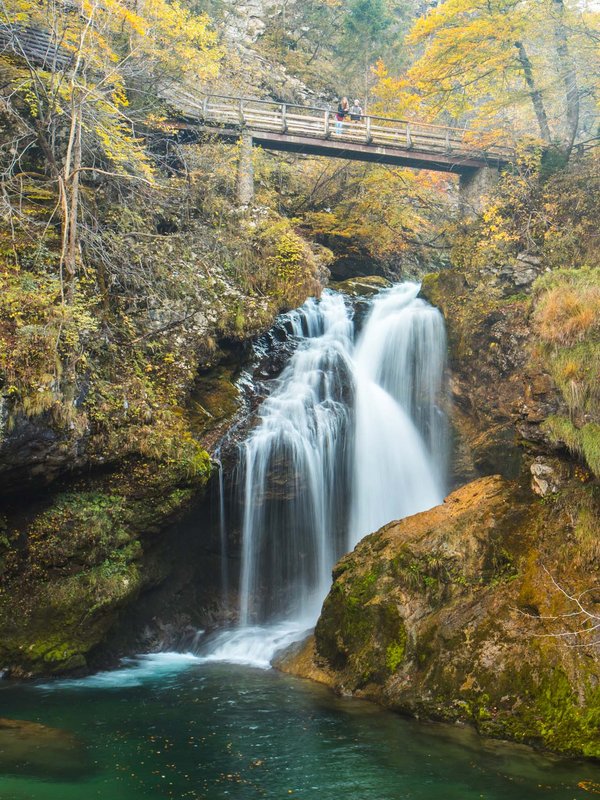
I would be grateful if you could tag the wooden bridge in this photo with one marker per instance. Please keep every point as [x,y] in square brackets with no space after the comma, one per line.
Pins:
[473,155]
[315,131]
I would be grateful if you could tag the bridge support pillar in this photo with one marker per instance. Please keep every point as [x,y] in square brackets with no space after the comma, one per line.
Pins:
[246,171]
[475,188]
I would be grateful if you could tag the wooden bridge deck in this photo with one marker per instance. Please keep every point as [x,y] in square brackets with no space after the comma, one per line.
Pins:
[315,131]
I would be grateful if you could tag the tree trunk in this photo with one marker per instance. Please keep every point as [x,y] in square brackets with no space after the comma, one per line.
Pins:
[568,73]
[534,92]
[72,238]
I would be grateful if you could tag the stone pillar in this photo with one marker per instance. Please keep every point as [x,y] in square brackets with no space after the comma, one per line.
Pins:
[475,188]
[246,171]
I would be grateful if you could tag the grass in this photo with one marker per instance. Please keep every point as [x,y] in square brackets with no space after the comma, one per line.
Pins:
[566,321]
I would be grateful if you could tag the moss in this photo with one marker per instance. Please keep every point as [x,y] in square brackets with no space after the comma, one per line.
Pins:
[561,430]
[587,533]
[79,561]
[575,371]
[452,615]
[583,442]
[358,628]
[361,287]
[590,445]
[430,288]
[394,655]
[431,573]
[214,401]
[567,326]
[555,713]
[557,278]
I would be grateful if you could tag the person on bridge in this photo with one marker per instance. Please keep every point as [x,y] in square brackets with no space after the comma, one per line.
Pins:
[356,112]
[342,112]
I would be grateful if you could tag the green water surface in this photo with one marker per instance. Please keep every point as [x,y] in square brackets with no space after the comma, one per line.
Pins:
[178,728]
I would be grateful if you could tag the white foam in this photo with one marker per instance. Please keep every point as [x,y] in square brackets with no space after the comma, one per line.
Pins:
[254,645]
[134,672]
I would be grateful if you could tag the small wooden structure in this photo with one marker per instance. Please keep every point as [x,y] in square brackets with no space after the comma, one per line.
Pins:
[34,46]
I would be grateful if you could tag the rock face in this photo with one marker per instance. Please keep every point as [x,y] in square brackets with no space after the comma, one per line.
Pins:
[242,25]
[500,397]
[462,613]
[70,565]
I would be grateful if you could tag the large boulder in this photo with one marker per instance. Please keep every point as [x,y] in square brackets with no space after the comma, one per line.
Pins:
[468,612]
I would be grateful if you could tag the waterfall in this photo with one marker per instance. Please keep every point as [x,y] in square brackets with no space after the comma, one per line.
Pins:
[222,533]
[351,437]
[400,432]
[294,469]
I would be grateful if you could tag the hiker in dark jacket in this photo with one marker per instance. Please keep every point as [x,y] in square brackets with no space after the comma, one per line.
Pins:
[342,112]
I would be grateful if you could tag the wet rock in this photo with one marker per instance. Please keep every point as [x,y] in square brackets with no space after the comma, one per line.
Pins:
[75,562]
[365,286]
[501,398]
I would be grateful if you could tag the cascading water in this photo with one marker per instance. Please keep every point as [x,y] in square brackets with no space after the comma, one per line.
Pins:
[400,431]
[222,534]
[294,465]
[351,437]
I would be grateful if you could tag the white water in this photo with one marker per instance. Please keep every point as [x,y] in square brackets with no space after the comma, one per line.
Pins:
[292,470]
[351,438]
[222,535]
[399,438]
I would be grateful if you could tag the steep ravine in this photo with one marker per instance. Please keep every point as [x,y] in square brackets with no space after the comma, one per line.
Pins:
[103,556]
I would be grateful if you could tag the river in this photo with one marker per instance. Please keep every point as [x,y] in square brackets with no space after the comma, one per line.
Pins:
[173,726]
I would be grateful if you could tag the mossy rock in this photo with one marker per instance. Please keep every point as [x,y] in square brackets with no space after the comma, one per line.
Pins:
[366,286]
[214,402]
[462,613]
[74,566]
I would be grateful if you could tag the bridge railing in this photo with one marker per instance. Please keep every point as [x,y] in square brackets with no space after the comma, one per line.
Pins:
[292,119]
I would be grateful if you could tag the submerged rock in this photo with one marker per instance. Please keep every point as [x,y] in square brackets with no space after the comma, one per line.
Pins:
[464,613]
[29,748]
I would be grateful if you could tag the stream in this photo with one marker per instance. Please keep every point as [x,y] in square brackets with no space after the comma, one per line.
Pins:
[175,726]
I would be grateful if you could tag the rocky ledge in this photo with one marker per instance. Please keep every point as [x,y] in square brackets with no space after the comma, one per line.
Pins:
[480,610]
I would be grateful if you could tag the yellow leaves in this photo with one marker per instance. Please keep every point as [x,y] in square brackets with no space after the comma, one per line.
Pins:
[119,97]
[125,151]
[468,60]
[183,42]
[388,211]
[165,39]
[395,97]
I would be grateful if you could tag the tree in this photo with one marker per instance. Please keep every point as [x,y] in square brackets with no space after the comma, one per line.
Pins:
[80,118]
[369,27]
[493,61]
[79,115]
